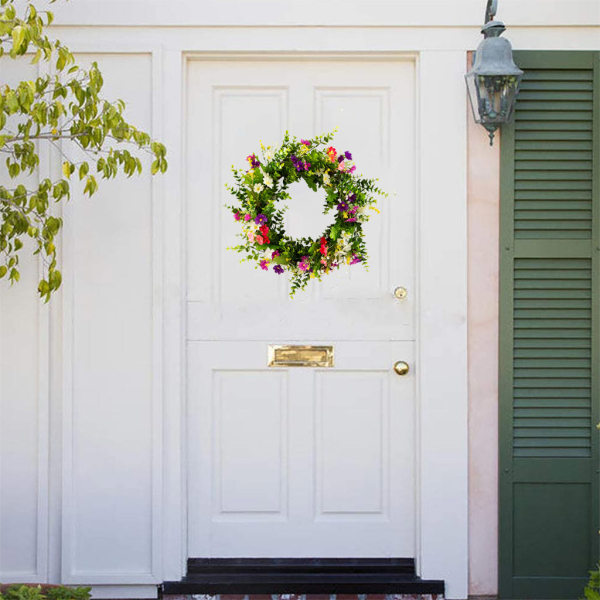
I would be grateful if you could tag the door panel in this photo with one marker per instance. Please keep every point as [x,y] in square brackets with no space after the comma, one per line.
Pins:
[231,106]
[300,462]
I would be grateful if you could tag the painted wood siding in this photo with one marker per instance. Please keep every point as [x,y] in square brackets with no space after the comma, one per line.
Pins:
[548,329]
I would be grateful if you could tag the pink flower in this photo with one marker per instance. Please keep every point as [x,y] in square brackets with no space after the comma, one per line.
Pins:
[264,265]
[352,169]
[341,166]
[247,217]
[250,236]
[237,216]
[305,142]
[324,261]
[259,239]
[275,253]
[355,259]
[303,265]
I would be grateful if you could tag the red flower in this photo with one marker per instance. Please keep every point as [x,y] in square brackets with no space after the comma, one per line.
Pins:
[323,246]
[264,229]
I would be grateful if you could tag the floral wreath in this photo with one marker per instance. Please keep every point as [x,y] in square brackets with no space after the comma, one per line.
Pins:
[260,188]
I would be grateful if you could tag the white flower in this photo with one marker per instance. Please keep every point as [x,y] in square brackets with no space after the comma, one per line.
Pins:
[267,179]
[362,213]
[326,179]
[258,187]
[268,155]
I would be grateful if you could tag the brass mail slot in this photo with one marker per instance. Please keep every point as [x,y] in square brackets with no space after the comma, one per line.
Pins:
[300,356]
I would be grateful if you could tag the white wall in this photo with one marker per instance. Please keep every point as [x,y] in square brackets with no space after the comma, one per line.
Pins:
[92,436]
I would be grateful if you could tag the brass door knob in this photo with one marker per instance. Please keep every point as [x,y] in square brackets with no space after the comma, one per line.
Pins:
[400,293]
[401,367]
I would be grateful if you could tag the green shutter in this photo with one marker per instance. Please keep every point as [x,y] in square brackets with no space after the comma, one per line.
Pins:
[549,324]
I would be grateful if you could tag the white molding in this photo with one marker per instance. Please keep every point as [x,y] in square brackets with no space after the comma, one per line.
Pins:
[297,39]
[69,575]
[43,359]
[442,341]
[42,376]
[158,200]
[442,550]
[409,13]
[174,338]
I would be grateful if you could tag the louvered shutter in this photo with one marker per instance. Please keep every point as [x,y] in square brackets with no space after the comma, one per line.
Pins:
[549,299]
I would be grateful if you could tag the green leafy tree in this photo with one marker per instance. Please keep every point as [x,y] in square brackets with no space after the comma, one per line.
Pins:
[63,105]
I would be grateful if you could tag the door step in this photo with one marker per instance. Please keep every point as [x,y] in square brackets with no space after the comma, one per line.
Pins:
[290,578]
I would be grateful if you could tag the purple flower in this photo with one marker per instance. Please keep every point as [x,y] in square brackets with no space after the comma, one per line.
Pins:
[341,158]
[348,155]
[254,162]
[275,253]
[260,219]
[352,220]
[355,259]
[342,206]
[352,197]
[306,166]
[278,269]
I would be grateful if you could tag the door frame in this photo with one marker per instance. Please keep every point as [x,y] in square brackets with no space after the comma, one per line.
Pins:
[441,289]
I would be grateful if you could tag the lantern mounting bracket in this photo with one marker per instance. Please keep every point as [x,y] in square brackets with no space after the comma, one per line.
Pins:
[490,10]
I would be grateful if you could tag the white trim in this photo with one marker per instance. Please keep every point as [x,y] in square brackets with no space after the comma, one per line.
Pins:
[222,40]
[158,198]
[42,375]
[69,575]
[442,551]
[442,342]
[174,421]
[43,361]
[409,13]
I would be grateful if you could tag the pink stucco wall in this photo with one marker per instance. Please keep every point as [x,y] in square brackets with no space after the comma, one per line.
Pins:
[483,199]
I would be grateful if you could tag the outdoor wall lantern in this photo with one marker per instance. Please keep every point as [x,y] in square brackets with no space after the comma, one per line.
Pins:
[493,81]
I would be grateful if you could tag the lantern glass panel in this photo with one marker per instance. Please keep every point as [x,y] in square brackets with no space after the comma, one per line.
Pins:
[492,97]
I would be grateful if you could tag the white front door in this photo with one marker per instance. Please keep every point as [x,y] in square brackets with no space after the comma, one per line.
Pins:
[293,462]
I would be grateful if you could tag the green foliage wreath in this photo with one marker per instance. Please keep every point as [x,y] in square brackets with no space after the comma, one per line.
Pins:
[262,187]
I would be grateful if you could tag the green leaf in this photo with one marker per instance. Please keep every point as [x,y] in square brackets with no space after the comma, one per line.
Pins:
[67,169]
[18,37]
